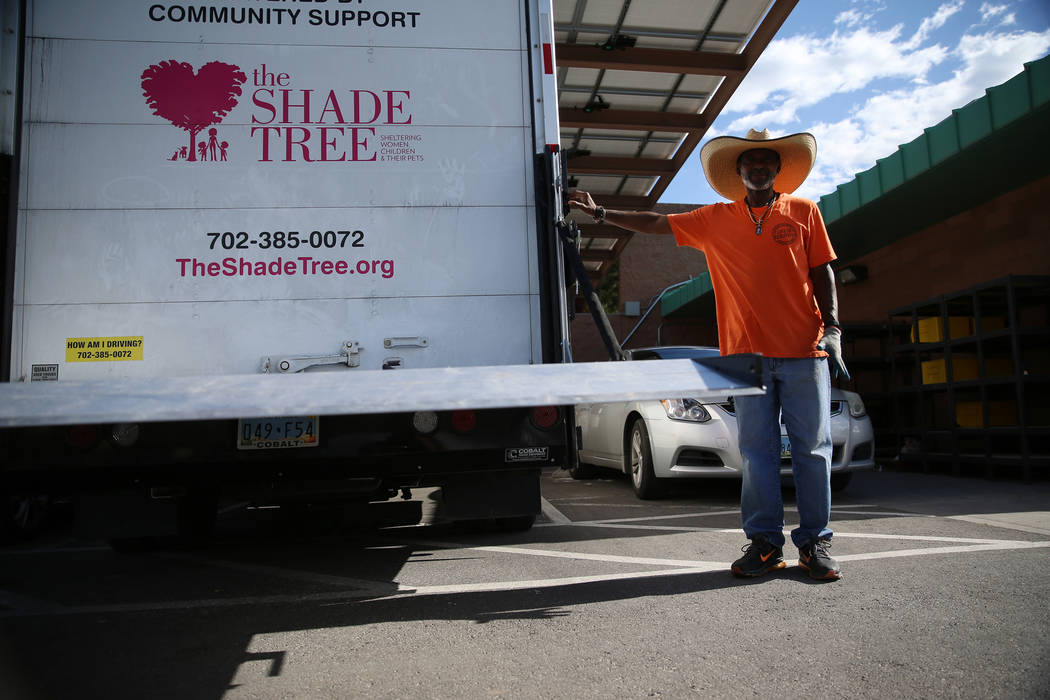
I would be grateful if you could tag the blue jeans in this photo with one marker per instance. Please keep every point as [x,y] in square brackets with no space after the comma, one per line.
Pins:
[801,387]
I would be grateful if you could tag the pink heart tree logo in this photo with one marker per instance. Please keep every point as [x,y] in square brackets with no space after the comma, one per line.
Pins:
[193,101]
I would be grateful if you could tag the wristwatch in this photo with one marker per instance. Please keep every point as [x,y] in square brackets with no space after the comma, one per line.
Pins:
[599,215]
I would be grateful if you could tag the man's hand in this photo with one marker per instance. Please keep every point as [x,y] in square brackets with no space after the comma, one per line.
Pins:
[831,343]
[583,201]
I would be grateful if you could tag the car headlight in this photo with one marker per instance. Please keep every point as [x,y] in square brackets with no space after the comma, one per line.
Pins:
[686,409]
[856,404]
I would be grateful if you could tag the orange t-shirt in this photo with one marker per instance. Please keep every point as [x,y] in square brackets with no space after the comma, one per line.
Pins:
[763,294]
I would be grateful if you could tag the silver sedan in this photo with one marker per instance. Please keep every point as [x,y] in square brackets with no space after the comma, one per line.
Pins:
[676,438]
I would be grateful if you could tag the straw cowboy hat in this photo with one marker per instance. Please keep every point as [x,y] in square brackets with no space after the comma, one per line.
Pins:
[719,155]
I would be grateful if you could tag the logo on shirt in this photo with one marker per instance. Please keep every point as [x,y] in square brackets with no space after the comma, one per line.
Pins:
[785,234]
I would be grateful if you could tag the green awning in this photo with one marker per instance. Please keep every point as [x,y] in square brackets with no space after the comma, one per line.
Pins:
[991,146]
[694,298]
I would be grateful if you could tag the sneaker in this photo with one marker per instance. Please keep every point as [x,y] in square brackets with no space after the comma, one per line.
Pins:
[814,558]
[760,557]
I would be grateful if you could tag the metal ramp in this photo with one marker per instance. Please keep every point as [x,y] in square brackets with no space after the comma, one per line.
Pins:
[372,391]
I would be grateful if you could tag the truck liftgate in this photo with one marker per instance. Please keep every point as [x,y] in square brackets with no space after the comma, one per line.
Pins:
[154,456]
[371,391]
[191,196]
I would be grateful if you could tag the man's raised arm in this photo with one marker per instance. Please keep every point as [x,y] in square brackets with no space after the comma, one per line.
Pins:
[640,221]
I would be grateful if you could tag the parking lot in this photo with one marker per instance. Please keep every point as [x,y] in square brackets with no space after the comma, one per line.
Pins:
[943,596]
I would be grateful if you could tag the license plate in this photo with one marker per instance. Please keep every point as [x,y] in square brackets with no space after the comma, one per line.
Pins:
[277,433]
[785,447]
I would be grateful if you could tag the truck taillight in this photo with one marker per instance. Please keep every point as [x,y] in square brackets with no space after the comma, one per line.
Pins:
[544,416]
[464,421]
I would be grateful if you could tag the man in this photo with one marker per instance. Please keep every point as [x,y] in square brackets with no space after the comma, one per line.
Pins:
[770,262]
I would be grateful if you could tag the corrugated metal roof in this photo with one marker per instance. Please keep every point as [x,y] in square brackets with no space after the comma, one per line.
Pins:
[639,83]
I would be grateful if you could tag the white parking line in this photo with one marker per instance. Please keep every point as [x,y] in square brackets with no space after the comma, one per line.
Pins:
[560,554]
[280,572]
[497,586]
[924,538]
[553,514]
[928,551]
[674,516]
[53,610]
[735,511]
[394,589]
[1009,521]
[358,591]
[698,567]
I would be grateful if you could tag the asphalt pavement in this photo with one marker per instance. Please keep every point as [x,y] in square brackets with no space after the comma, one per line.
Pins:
[943,595]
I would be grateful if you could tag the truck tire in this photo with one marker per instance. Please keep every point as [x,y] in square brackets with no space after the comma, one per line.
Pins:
[583,471]
[21,517]
[514,523]
[195,517]
[491,502]
[639,463]
[518,523]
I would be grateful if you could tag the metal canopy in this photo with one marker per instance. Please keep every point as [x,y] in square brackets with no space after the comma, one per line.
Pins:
[639,84]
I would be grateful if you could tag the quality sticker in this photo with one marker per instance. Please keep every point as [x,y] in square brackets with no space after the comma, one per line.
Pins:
[115,349]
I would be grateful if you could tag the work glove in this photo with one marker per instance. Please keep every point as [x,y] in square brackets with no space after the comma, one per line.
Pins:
[831,343]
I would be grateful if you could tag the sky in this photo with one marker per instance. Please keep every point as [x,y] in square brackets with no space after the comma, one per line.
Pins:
[865,76]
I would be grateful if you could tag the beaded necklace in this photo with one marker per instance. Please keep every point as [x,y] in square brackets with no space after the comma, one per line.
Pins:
[769,208]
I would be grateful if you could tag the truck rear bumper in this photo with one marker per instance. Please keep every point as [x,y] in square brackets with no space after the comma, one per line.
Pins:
[354,454]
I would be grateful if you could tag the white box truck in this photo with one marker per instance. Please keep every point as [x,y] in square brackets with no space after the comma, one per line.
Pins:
[302,250]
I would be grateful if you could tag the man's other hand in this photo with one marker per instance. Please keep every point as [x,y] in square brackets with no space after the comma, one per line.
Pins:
[831,343]
[583,201]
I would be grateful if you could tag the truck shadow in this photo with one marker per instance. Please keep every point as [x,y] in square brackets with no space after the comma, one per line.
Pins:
[197,652]
[168,623]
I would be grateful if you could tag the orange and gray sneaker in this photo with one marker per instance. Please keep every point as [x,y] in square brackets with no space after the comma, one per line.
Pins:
[760,557]
[814,558]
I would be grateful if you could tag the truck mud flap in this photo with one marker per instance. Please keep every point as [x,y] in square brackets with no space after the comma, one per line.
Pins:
[512,496]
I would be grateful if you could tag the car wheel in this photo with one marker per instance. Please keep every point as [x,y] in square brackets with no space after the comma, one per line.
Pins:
[640,463]
[840,481]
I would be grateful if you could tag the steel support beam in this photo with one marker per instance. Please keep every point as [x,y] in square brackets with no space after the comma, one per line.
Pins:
[632,120]
[651,60]
[601,165]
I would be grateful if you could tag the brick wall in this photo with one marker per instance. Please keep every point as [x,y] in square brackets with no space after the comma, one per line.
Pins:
[1008,235]
[648,265]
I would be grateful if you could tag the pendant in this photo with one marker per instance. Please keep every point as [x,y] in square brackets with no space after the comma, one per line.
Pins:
[758,229]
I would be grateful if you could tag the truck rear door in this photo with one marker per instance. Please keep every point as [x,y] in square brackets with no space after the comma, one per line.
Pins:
[206,186]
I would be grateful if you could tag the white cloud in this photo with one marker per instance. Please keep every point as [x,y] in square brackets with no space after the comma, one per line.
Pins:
[801,71]
[850,18]
[891,76]
[891,118]
[989,11]
[934,22]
